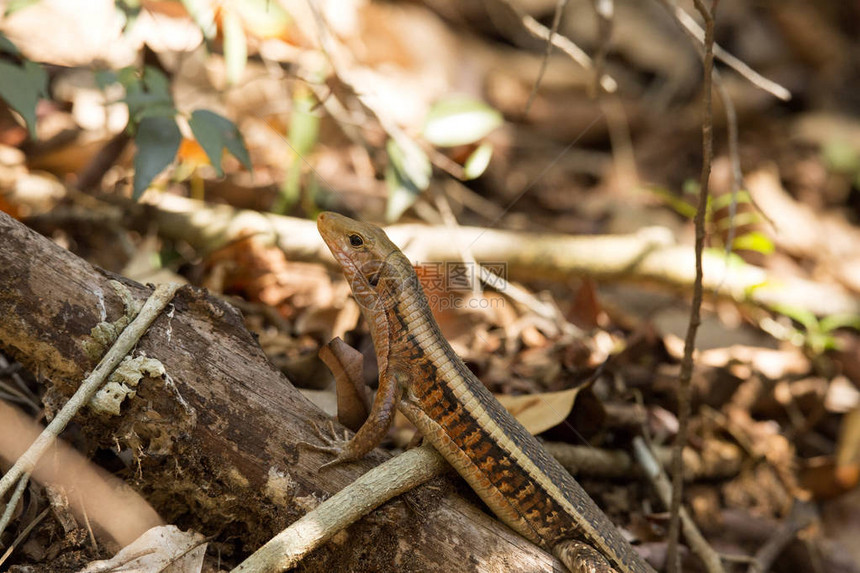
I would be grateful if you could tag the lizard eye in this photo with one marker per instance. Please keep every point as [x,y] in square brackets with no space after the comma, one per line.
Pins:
[356,240]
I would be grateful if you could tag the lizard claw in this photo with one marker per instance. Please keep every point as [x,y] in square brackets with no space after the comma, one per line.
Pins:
[332,444]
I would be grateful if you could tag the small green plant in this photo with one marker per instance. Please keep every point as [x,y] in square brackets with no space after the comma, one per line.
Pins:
[152,114]
[719,222]
[22,83]
[152,119]
[451,122]
[302,138]
[842,157]
[407,175]
[817,335]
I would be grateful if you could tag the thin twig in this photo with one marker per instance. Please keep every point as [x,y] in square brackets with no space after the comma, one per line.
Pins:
[13,501]
[623,156]
[666,493]
[501,284]
[397,475]
[443,162]
[737,179]
[674,563]
[451,222]
[472,200]
[86,516]
[561,42]
[802,514]
[737,182]
[731,127]
[23,391]
[736,64]
[24,534]
[91,384]
[605,11]
[556,21]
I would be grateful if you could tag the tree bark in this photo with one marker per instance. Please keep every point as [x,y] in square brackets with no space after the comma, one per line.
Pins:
[214,443]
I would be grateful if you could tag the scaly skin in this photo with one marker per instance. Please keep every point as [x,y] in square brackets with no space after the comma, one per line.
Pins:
[421,374]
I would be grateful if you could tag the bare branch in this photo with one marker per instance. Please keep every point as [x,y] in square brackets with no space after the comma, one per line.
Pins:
[736,64]
[673,560]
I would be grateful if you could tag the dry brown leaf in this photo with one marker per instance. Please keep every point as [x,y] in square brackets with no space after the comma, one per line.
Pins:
[586,309]
[347,366]
[165,549]
[259,271]
[540,412]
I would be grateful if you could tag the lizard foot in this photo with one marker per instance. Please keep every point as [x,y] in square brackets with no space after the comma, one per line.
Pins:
[333,443]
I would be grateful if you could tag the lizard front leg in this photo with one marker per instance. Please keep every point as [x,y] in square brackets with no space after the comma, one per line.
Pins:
[371,432]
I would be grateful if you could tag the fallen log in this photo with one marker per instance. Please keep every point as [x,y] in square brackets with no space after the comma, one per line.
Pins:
[212,445]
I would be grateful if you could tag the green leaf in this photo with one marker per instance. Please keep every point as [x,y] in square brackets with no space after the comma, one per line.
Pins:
[144,105]
[804,317]
[460,121]
[290,190]
[841,156]
[739,220]
[302,137]
[21,87]
[214,133]
[105,78]
[304,123]
[732,260]
[478,161]
[724,200]
[156,82]
[754,241]
[15,5]
[401,195]
[156,110]
[235,46]
[407,175]
[140,99]
[130,79]
[7,47]
[410,161]
[690,187]
[129,11]
[157,141]
[834,321]
[680,206]
[203,15]
[147,96]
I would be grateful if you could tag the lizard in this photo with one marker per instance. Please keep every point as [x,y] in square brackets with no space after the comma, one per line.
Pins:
[420,374]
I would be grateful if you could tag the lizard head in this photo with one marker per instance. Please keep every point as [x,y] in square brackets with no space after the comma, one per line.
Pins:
[375,268]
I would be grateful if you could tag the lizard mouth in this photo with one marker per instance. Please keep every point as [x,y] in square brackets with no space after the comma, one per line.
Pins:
[334,228]
[328,224]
